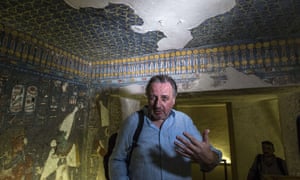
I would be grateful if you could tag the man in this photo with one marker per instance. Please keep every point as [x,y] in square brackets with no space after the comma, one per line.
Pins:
[168,143]
[267,163]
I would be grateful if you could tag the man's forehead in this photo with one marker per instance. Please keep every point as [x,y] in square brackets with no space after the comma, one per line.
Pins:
[267,146]
[163,88]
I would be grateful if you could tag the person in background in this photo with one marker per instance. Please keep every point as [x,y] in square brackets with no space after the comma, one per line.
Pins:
[267,164]
[169,141]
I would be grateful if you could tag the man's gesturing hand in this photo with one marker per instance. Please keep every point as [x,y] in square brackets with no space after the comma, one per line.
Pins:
[196,150]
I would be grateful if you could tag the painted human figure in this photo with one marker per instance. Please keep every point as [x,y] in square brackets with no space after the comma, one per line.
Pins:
[64,152]
[20,165]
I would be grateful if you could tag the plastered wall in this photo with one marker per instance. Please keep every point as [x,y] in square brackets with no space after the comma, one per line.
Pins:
[289,106]
[253,122]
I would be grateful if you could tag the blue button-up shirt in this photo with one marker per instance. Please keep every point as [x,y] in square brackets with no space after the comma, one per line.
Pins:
[155,156]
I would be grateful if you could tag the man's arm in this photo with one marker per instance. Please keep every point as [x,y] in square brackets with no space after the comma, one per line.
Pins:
[118,167]
[253,173]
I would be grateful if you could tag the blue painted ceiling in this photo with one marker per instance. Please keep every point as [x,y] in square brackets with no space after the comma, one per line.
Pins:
[105,34]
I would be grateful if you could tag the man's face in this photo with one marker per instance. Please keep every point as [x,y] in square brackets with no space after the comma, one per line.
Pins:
[267,149]
[160,100]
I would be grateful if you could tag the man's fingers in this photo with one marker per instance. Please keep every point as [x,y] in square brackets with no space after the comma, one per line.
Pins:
[187,143]
[205,135]
[181,139]
[190,138]
[183,150]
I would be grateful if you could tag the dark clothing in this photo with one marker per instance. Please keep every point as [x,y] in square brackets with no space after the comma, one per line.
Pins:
[267,166]
[111,145]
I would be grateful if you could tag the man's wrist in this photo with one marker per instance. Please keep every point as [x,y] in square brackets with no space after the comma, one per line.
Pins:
[206,167]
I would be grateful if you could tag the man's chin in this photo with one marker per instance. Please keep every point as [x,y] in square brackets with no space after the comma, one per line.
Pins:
[158,117]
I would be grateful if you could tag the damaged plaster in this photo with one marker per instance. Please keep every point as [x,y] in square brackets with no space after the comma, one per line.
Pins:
[174,18]
[233,79]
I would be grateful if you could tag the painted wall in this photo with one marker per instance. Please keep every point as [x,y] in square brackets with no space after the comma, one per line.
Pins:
[53,100]
[91,115]
[42,126]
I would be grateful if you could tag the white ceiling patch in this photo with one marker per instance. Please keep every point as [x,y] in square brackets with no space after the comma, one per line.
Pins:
[174,18]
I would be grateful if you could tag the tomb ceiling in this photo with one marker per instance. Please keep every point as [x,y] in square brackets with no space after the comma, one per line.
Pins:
[115,29]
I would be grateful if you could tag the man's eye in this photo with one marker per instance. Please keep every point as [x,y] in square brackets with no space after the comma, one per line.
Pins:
[152,98]
[165,98]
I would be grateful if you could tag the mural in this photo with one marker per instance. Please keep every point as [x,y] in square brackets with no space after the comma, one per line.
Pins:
[275,62]
[17,96]
[19,163]
[272,63]
[40,58]
[42,128]
[55,116]
[31,94]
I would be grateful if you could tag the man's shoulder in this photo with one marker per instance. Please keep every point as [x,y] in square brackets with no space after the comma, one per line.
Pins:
[279,159]
[175,112]
[258,157]
[181,116]
[132,119]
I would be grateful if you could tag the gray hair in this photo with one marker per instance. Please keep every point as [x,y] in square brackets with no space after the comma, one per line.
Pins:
[162,79]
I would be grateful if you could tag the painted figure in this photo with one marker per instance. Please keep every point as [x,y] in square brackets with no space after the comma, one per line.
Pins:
[63,153]
[19,167]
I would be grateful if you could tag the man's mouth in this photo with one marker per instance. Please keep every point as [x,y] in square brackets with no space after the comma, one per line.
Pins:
[158,112]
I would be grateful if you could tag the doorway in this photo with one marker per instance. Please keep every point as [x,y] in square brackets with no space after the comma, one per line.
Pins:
[214,117]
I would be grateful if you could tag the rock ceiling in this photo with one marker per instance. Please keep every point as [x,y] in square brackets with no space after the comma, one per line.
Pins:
[114,30]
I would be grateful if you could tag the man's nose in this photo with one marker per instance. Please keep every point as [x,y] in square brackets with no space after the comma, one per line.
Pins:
[158,102]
